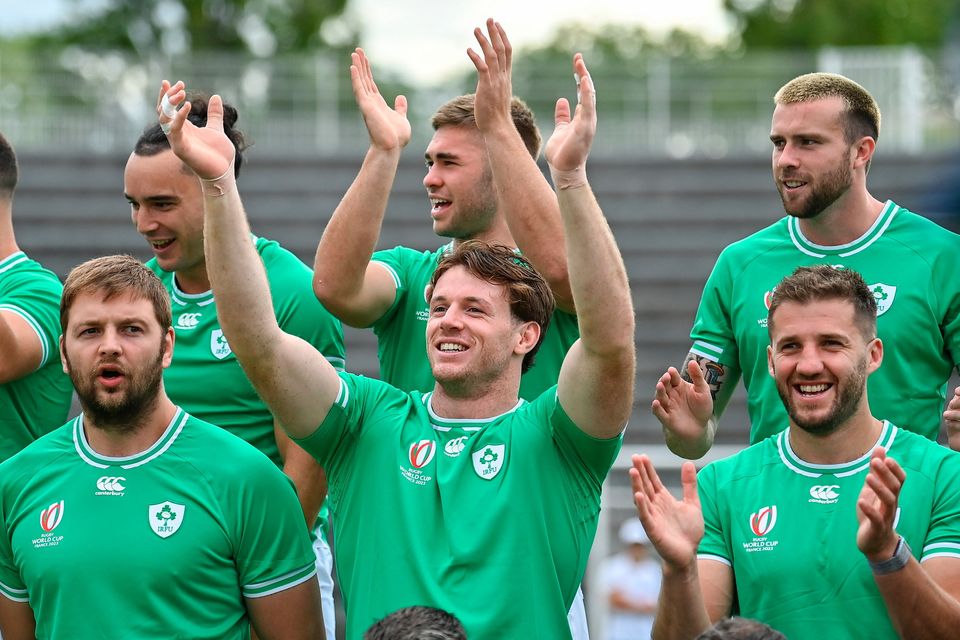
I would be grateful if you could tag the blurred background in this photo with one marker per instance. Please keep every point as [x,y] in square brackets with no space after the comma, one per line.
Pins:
[680,164]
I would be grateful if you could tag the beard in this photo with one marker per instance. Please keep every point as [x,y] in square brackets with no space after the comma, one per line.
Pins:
[824,193]
[120,411]
[849,394]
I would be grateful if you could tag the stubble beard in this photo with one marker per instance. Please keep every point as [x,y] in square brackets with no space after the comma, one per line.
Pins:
[120,412]
[845,405]
[832,187]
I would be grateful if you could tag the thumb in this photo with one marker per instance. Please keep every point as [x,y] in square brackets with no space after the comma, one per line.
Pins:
[697,377]
[561,114]
[215,113]
[400,105]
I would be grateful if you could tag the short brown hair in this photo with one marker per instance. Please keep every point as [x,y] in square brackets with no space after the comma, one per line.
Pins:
[9,170]
[529,295]
[862,114]
[825,282]
[116,276]
[459,112]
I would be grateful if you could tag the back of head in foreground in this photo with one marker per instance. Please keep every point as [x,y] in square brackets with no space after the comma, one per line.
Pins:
[417,623]
[736,628]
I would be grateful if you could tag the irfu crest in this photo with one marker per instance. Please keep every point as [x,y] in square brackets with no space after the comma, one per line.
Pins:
[165,518]
[218,345]
[488,460]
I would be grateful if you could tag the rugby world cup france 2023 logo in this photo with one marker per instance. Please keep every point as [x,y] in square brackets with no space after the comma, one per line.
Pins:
[762,523]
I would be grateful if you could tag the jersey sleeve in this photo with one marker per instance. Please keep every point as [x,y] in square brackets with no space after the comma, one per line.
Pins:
[297,309]
[943,535]
[394,261]
[11,584]
[712,332]
[714,545]
[594,455]
[272,540]
[334,440]
[35,297]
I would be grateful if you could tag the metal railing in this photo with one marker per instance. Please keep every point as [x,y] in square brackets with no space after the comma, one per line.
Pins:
[99,102]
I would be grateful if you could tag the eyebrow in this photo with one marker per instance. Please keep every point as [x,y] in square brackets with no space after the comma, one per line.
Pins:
[157,198]
[442,155]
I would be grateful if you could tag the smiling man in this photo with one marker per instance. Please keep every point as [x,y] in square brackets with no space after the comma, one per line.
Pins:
[136,519]
[166,206]
[465,498]
[824,134]
[843,526]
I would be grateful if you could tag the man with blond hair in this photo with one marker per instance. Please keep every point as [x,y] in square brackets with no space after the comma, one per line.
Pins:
[824,134]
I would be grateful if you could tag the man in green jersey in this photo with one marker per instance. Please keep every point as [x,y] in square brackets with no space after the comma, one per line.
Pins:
[205,378]
[135,519]
[843,526]
[824,134]
[483,184]
[34,392]
[465,498]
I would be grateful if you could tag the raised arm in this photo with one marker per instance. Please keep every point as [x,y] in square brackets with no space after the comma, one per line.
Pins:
[293,378]
[345,281]
[525,198]
[20,348]
[596,379]
[922,600]
[693,593]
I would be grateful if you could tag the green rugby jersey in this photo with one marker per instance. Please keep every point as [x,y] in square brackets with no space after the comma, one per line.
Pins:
[162,544]
[909,262]
[402,330]
[490,519]
[205,377]
[789,530]
[38,402]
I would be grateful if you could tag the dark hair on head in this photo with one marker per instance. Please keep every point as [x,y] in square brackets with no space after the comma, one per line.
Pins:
[9,169]
[529,295]
[417,623]
[459,112]
[740,629]
[115,276]
[153,140]
[825,282]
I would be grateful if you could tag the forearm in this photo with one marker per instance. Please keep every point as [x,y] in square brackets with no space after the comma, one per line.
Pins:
[530,208]
[351,235]
[236,272]
[681,613]
[918,607]
[598,277]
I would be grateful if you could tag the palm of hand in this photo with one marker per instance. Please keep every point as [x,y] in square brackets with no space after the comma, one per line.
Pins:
[676,528]
[206,150]
[569,145]
[387,127]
